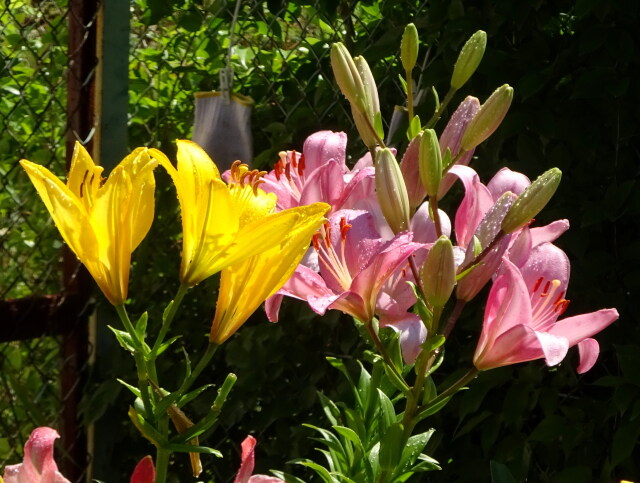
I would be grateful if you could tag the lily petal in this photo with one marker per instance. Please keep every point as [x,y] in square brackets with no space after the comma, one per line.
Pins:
[589,350]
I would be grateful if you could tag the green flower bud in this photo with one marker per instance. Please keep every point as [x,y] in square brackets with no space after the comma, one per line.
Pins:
[363,125]
[391,190]
[430,162]
[438,273]
[532,200]
[469,59]
[347,75]
[488,118]
[409,47]
[371,101]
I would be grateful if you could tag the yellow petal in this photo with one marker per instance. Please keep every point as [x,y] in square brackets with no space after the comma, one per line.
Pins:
[245,285]
[251,205]
[84,176]
[112,223]
[38,174]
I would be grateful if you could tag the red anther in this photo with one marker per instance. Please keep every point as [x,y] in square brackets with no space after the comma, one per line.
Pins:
[561,306]
[316,242]
[287,171]
[344,228]
[559,297]
[327,233]
[545,291]
[530,222]
[537,285]
[278,169]
[301,165]
[294,162]
[404,272]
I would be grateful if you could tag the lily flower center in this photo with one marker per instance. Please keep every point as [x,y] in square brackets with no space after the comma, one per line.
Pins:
[289,170]
[547,302]
[334,260]
[242,176]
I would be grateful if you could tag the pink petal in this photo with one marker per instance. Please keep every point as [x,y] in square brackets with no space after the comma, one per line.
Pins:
[247,461]
[507,180]
[476,202]
[508,306]
[554,348]
[548,262]
[581,327]
[423,227]
[412,333]
[38,465]
[307,285]
[589,351]
[518,344]
[411,174]
[324,184]
[144,471]
[548,233]
[451,138]
[360,188]
[272,307]
[322,146]
[364,162]
[264,479]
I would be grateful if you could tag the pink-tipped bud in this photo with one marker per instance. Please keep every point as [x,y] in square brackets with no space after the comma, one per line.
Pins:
[488,118]
[391,190]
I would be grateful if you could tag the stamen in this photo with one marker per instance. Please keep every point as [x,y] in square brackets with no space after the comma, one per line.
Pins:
[316,242]
[537,285]
[84,179]
[301,165]
[294,162]
[278,169]
[344,228]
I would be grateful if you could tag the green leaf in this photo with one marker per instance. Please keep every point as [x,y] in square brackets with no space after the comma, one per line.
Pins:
[133,389]
[192,448]
[403,84]
[432,343]
[436,99]
[141,325]
[412,449]
[391,447]
[124,339]
[500,473]
[330,409]
[286,477]
[320,470]
[387,414]
[414,127]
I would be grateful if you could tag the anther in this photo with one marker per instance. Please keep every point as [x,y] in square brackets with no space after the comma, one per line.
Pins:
[301,165]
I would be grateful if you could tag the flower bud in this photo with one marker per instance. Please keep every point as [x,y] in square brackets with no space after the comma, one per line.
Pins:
[371,101]
[532,200]
[364,128]
[346,74]
[430,162]
[438,273]
[488,118]
[391,190]
[409,47]
[469,59]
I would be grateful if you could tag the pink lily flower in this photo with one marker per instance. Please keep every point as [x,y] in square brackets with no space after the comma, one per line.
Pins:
[247,464]
[354,263]
[520,321]
[38,465]
[319,173]
[144,472]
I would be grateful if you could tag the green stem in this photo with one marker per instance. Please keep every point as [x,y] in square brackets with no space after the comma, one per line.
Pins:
[204,361]
[169,316]
[433,203]
[450,391]
[139,357]
[484,252]
[436,115]
[385,355]
[162,464]
[409,95]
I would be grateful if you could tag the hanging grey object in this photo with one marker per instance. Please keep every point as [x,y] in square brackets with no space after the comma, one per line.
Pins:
[222,126]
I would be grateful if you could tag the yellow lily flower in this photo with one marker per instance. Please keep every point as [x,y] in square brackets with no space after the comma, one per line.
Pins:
[245,285]
[222,224]
[102,222]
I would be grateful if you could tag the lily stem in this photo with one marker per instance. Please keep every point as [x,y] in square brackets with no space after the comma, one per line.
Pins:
[202,363]
[436,115]
[169,316]
[450,391]
[139,356]
[409,96]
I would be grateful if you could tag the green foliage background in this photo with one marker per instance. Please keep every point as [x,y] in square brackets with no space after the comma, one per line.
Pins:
[576,105]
